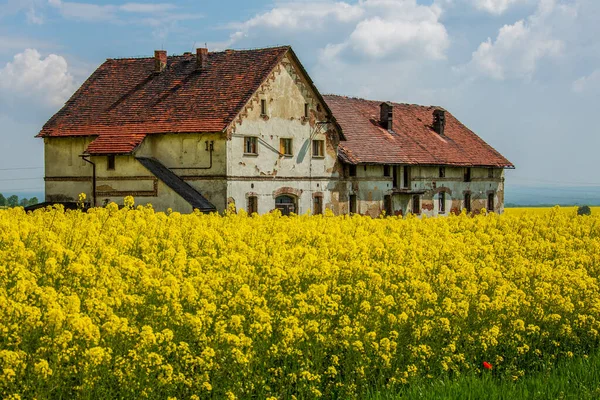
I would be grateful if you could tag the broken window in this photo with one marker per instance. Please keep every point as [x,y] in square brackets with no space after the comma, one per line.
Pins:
[285,204]
[387,204]
[351,170]
[252,205]
[416,204]
[468,202]
[395,177]
[110,163]
[467,174]
[406,177]
[386,170]
[490,205]
[306,110]
[490,173]
[442,172]
[317,205]
[318,148]
[251,145]
[353,204]
[285,147]
[263,107]
[442,200]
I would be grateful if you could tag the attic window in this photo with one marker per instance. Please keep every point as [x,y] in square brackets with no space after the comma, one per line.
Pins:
[306,110]
[491,173]
[263,107]
[442,172]
[351,170]
[386,170]
[467,174]
[110,163]
[439,121]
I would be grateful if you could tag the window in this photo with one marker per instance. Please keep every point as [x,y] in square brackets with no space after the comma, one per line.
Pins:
[468,202]
[491,173]
[387,204]
[490,205]
[467,174]
[263,107]
[252,205]
[285,147]
[351,170]
[318,148]
[442,205]
[386,170]
[416,204]
[395,177]
[442,172]
[317,205]
[285,204]
[306,110]
[110,163]
[406,177]
[352,204]
[251,145]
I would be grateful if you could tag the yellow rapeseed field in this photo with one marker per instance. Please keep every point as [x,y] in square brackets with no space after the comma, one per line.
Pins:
[132,303]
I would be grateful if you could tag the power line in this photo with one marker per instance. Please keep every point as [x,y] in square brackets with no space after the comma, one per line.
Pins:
[21,190]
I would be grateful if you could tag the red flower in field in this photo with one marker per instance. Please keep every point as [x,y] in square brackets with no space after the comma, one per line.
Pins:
[487,365]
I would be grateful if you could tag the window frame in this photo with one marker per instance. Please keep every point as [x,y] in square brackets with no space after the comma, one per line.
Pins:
[321,147]
[352,170]
[263,107]
[468,174]
[467,204]
[252,204]
[352,204]
[283,144]
[248,139]
[491,200]
[317,205]
[442,203]
[442,172]
[416,204]
[110,162]
[387,171]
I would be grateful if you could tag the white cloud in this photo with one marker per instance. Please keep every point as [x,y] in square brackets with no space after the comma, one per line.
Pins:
[376,29]
[587,83]
[496,6]
[518,48]
[45,81]
[33,17]
[302,16]
[94,12]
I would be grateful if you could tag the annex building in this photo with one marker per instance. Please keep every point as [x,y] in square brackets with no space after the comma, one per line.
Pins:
[201,131]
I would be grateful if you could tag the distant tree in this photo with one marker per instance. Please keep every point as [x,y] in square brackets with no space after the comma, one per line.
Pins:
[24,202]
[584,210]
[13,201]
[33,201]
[2,200]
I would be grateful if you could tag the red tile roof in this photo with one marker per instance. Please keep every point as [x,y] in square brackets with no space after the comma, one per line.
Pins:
[115,144]
[412,140]
[126,96]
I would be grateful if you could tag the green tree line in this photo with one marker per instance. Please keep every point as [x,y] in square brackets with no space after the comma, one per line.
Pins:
[14,201]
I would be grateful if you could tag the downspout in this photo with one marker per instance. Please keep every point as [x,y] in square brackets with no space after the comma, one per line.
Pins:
[83,157]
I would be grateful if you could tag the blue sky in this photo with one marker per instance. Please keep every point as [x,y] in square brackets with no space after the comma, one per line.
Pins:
[523,74]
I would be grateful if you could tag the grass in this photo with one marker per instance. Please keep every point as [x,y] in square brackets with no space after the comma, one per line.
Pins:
[578,378]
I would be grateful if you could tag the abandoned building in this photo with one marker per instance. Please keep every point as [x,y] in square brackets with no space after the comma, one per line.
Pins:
[202,131]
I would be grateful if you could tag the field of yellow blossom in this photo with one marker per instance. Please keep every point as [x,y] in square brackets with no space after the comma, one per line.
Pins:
[131,303]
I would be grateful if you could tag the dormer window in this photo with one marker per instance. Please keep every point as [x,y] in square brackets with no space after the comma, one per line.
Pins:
[439,121]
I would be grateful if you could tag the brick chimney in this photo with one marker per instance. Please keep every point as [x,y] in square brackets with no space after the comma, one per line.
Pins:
[201,58]
[439,121]
[160,60]
[387,115]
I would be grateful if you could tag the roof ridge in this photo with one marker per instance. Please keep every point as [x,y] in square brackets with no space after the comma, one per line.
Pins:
[187,54]
[381,101]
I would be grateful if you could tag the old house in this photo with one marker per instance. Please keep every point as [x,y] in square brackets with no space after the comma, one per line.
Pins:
[201,131]
[406,158]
